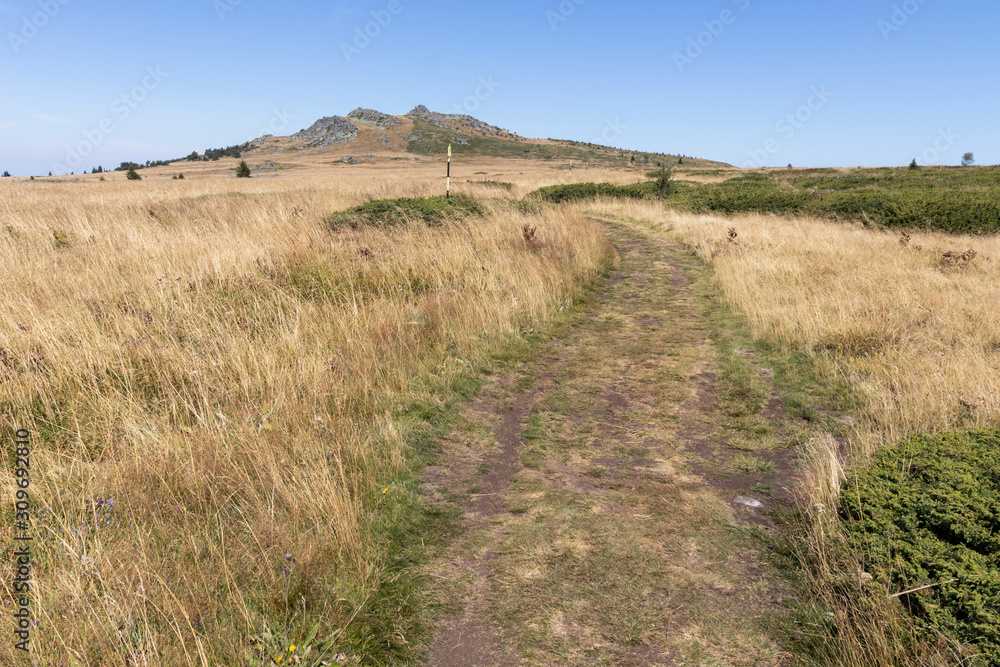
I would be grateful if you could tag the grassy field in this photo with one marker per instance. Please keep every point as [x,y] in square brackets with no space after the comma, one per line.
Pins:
[225,397]
[231,383]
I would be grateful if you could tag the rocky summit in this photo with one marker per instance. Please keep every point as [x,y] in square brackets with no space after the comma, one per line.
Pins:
[328,131]
[372,117]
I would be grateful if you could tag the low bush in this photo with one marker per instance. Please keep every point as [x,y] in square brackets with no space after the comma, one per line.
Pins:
[395,212]
[954,211]
[576,191]
[926,515]
[756,193]
[956,201]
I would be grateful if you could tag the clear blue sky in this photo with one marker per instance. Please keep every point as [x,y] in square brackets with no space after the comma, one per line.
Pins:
[197,74]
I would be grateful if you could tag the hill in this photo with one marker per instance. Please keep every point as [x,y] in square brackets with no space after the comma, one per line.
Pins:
[366,135]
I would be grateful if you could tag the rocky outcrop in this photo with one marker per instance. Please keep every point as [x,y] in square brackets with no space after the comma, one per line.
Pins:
[328,131]
[432,117]
[452,121]
[372,117]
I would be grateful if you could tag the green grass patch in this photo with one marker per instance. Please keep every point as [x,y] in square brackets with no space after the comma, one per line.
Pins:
[744,463]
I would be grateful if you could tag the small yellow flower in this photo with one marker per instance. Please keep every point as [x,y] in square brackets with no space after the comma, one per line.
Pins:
[385,490]
[291,648]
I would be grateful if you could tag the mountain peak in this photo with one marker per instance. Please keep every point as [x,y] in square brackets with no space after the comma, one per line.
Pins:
[373,117]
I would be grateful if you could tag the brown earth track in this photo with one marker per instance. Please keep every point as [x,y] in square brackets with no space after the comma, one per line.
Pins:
[605,468]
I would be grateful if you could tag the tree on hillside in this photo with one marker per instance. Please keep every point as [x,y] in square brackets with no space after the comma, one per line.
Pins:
[6,174]
[968,159]
[243,171]
[914,165]
[665,185]
[133,175]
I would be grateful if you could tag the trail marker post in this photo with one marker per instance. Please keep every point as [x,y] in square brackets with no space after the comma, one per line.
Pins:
[447,194]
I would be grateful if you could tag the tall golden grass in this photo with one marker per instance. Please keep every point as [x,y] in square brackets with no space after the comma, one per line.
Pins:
[214,384]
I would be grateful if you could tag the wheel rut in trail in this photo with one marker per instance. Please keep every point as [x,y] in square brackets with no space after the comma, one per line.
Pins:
[599,523]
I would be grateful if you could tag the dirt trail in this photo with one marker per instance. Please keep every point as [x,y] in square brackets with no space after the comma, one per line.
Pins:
[602,526]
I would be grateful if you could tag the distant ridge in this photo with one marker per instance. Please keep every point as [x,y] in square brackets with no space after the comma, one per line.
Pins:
[370,133]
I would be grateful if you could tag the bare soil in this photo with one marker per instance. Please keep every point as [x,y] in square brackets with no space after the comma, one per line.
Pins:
[601,522]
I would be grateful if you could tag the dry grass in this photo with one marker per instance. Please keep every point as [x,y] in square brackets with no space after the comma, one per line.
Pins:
[914,333]
[214,381]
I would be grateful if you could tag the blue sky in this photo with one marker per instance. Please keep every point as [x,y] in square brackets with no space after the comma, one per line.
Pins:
[744,81]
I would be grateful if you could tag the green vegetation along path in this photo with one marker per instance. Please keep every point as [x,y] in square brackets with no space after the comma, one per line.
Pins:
[602,525]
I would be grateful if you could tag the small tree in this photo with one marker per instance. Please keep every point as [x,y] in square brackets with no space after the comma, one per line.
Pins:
[6,174]
[968,159]
[914,165]
[133,175]
[243,170]
[665,185]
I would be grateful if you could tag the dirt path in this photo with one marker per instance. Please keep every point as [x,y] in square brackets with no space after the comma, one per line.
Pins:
[603,520]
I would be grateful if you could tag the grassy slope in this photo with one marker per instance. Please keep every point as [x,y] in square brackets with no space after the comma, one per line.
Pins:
[435,141]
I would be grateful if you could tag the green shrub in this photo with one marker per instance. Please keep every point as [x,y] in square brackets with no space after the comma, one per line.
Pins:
[955,201]
[576,191]
[954,211]
[664,183]
[927,514]
[243,170]
[752,193]
[133,175]
[394,212]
